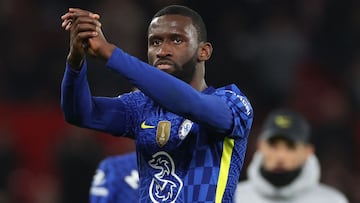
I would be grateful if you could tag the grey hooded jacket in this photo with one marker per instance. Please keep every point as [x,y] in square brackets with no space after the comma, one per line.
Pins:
[306,188]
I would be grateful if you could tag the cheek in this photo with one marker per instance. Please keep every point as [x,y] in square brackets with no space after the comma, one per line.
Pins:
[150,57]
[299,157]
[294,159]
[188,53]
[270,158]
[287,159]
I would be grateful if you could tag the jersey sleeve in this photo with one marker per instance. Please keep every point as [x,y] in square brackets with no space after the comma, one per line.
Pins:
[107,114]
[241,109]
[172,93]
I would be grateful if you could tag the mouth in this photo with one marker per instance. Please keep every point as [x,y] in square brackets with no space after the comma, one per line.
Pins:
[164,64]
[279,169]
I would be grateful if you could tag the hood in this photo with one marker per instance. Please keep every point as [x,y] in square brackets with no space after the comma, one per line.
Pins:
[309,176]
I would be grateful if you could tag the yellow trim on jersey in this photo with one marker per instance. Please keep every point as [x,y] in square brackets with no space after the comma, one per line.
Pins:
[224,168]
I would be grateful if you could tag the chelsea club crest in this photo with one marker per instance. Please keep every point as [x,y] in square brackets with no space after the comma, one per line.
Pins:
[185,128]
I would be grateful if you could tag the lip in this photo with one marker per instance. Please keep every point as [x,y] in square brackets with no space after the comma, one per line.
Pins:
[163,64]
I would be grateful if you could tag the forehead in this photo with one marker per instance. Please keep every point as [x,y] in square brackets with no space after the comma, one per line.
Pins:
[282,142]
[172,24]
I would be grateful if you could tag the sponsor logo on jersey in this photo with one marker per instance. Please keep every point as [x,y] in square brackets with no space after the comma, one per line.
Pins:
[144,126]
[185,128]
[243,100]
[165,185]
[246,104]
[163,132]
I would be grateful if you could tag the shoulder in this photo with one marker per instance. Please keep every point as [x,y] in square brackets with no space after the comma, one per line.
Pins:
[134,100]
[132,94]
[233,94]
[243,186]
[245,192]
[331,193]
[231,89]
[322,193]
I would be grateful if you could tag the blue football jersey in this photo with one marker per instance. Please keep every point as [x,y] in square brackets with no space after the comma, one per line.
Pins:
[116,180]
[182,161]
[188,149]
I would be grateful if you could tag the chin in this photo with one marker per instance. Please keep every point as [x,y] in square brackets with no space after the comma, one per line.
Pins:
[279,170]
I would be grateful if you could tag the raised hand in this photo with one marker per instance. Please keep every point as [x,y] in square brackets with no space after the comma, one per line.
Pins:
[86,36]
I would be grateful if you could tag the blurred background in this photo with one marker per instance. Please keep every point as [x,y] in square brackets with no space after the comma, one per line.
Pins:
[302,54]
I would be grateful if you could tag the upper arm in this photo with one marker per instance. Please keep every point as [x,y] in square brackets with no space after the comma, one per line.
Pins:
[241,110]
[114,115]
[108,115]
[225,111]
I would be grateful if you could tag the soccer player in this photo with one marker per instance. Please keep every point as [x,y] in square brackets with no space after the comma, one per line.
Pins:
[116,180]
[190,138]
[285,168]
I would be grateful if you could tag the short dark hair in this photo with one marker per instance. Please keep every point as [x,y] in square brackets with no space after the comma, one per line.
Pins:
[196,19]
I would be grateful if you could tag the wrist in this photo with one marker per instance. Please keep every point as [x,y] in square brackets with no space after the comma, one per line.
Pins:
[106,51]
[75,61]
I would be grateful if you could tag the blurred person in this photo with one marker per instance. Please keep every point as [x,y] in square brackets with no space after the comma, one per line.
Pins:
[284,167]
[77,157]
[116,180]
[190,138]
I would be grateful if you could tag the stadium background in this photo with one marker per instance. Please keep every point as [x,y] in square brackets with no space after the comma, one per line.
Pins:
[302,54]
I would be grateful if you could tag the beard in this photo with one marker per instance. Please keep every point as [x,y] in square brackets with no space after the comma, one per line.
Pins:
[280,179]
[186,72]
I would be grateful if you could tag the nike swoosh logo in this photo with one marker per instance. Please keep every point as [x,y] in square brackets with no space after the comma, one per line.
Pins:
[144,126]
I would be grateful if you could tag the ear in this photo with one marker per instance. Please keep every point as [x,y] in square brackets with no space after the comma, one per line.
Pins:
[204,51]
[310,150]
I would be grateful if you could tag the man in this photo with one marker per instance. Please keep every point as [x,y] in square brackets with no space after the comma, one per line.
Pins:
[284,168]
[116,180]
[190,138]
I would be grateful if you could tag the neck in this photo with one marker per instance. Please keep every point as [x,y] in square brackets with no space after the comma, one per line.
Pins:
[198,80]
[199,85]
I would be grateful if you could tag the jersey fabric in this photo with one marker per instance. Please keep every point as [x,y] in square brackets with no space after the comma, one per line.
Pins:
[116,180]
[187,150]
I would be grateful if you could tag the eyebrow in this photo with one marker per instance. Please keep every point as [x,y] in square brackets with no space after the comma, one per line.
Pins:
[171,35]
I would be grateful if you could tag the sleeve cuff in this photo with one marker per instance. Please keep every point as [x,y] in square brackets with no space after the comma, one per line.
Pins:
[74,72]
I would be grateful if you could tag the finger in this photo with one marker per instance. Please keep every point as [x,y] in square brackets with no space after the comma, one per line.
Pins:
[78,40]
[68,25]
[67,16]
[82,24]
[80,12]
[72,16]
[66,22]
[87,35]
[95,15]
[85,27]
[86,20]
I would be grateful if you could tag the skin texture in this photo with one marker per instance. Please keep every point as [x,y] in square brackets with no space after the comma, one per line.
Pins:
[172,44]
[86,37]
[281,155]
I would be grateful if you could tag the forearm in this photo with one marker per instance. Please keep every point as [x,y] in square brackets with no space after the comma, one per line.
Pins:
[82,109]
[172,93]
[75,95]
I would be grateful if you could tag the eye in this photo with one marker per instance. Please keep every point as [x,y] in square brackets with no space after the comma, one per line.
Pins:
[177,40]
[155,42]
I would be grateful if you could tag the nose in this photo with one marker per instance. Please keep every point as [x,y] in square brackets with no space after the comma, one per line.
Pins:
[164,51]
